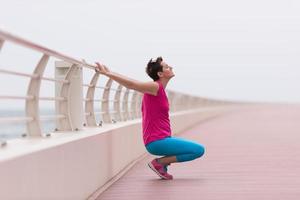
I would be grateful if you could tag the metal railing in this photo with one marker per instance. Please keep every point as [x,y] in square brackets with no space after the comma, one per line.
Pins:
[67,119]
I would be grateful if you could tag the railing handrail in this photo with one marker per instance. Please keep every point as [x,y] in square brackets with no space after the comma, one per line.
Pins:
[26,43]
[69,100]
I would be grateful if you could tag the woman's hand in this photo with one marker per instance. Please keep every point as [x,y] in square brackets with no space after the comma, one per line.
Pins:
[102,69]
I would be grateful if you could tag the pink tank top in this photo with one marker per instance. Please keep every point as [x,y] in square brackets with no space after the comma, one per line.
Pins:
[155,113]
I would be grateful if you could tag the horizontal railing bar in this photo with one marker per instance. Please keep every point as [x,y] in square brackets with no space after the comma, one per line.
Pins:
[55,80]
[101,87]
[18,73]
[53,98]
[90,85]
[105,100]
[101,112]
[7,120]
[31,75]
[87,99]
[117,90]
[100,100]
[17,97]
[51,117]
[31,45]
[32,97]
[131,111]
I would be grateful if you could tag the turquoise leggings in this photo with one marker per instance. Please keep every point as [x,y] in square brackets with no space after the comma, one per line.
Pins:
[184,150]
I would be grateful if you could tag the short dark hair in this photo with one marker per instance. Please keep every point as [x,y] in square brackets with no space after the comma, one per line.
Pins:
[154,66]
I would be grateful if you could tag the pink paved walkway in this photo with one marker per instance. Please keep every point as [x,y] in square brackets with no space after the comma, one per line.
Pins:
[252,153]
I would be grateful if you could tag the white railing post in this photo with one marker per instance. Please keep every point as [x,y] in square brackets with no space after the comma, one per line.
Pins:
[89,105]
[125,114]
[138,105]
[72,91]
[105,102]
[32,105]
[117,107]
[133,105]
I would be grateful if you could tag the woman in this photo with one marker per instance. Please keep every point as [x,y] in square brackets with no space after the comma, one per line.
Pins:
[155,118]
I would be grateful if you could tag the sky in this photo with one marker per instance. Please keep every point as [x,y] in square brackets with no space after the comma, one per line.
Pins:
[233,50]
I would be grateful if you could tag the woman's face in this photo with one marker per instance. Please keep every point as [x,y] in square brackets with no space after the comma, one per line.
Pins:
[167,71]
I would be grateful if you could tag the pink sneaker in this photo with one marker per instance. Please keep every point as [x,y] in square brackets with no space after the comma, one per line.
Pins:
[159,169]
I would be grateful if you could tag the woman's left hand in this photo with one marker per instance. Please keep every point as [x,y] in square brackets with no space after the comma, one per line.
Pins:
[102,69]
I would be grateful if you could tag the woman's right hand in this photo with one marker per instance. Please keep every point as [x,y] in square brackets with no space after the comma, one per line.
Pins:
[102,69]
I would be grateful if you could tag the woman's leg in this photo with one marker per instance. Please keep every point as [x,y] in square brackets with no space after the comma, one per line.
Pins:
[175,149]
[166,160]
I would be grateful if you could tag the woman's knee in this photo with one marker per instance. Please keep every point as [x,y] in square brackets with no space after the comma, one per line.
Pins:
[199,151]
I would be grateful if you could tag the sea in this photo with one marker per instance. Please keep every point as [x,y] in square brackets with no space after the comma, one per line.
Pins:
[17,130]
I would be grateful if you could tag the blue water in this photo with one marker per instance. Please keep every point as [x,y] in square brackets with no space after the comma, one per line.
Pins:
[16,130]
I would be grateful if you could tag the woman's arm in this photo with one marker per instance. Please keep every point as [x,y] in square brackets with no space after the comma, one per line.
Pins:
[144,87]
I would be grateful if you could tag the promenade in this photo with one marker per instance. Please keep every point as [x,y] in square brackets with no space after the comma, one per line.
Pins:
[251,153]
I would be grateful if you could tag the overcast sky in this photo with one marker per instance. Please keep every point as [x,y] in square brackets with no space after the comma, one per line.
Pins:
[233,49]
